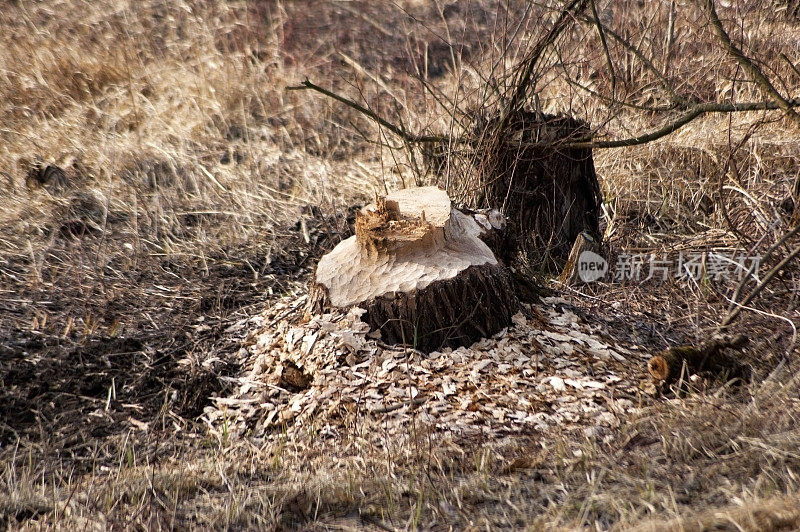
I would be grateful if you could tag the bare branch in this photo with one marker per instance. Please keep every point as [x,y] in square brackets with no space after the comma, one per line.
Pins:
[747,64]
[400,132]
[692,113]
[609,62]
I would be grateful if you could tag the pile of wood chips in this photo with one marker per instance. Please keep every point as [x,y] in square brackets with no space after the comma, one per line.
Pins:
[550,371]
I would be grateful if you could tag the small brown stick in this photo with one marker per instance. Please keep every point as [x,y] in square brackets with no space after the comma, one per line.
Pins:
[667,366]
[391,408]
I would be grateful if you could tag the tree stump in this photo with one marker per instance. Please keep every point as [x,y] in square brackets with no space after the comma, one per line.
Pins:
[548,192]
[585,254]
[421,271]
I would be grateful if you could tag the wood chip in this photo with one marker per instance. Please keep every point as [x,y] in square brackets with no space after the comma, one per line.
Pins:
[535,375]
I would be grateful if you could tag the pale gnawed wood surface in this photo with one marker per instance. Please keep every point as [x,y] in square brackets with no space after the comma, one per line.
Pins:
[584,242]
[424,243]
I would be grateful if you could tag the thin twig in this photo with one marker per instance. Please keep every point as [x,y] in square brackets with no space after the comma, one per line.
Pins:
[641,57]
[397,406]
[770,274]
[785,238]
[689,115]
[614,101]
[603,41]
[791,65]
[747,64]
[307,85]
[670,38]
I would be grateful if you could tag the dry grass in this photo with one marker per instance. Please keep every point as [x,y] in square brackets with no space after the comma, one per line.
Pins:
[194,189]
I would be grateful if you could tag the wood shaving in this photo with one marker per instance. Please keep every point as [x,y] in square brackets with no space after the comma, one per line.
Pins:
[533,376]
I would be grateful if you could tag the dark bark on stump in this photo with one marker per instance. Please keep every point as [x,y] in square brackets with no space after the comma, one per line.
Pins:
[477,303]
[549,194]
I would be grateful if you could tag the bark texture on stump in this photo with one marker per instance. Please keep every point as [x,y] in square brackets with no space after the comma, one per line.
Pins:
[549,194]
[421,271]
[474,304]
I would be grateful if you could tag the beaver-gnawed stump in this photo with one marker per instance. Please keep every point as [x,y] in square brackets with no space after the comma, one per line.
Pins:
[421,271]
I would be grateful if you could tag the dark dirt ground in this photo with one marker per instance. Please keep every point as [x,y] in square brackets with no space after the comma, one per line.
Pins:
[82,354]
